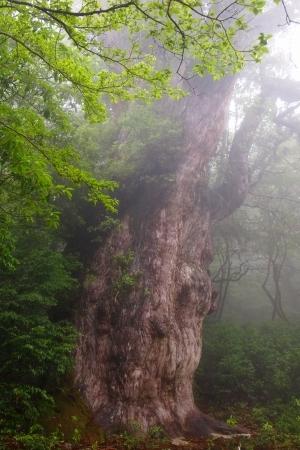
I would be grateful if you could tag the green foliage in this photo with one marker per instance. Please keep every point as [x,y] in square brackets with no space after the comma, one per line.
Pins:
[53,65]
[36,440]
[277,426]
[108,224]
[135,439]
[124,260]
[126,278]
[131,441]
[22,406]
[231,421]
[125,282]
[140,148]
[248,364]
[141,144]
[35,351]
[252,374]
[37,165]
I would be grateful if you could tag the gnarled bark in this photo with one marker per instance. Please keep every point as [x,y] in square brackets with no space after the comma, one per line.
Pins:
[142,316]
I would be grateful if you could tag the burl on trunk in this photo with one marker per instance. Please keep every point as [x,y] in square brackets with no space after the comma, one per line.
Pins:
[141,317]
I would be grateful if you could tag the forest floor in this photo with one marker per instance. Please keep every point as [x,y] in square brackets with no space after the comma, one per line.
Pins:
[80,433]
[71,428]
[257,440]
[200,444]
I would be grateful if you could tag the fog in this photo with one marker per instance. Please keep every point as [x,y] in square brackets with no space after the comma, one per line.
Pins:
[270,212]
[150,225]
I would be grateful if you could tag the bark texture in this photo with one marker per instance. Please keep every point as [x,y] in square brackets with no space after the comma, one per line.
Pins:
[142,314]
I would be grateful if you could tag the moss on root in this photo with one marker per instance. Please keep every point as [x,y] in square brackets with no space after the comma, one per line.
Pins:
[73,418]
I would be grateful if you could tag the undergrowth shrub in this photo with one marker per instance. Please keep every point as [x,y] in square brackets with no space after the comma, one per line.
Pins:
[251,376]
[35,349]
[249,364]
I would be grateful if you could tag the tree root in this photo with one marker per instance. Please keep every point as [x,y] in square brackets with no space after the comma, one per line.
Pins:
[199,425]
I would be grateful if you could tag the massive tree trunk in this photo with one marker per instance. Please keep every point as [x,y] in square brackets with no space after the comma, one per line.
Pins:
[142,313]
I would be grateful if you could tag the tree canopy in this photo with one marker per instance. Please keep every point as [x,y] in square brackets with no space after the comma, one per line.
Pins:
[59,57]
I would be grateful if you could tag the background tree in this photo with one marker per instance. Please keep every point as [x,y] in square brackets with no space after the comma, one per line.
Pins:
[265,231]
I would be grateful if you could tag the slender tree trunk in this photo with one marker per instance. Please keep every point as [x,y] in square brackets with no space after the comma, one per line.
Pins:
[276,261]
[142,315]
[225,281]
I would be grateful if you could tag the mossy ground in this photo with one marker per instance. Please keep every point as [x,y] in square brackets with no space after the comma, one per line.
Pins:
[72,415]
[73,419]
[79,432]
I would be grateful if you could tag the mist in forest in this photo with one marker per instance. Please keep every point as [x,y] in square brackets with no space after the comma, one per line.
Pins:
[150,225]
[256,250]
[256,258]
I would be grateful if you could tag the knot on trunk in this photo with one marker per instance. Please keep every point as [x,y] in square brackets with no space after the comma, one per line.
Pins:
[195,288]
[160,326]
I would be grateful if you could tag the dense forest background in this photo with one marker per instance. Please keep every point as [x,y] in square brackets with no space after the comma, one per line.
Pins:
[69,168]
